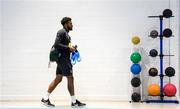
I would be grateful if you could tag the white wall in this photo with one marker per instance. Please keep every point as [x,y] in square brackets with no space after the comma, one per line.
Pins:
[102,30]
[0,48]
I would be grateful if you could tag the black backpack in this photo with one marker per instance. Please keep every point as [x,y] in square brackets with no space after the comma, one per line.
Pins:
[54,55]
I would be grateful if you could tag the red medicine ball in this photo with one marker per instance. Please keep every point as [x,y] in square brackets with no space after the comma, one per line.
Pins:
[169,90]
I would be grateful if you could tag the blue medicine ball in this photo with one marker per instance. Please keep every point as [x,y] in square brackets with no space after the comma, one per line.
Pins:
[135,69]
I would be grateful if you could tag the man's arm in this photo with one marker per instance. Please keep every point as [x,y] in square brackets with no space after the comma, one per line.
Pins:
[58,42]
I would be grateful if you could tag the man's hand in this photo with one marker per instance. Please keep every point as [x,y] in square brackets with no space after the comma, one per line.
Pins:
[72,49]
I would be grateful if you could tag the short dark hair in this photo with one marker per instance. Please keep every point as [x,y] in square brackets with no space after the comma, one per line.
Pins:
[65,20]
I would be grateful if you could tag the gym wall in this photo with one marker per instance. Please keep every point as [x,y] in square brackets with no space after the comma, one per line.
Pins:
[178,2]
[102,30]
[0,49]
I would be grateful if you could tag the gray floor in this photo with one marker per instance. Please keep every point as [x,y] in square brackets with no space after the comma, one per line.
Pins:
[90,105]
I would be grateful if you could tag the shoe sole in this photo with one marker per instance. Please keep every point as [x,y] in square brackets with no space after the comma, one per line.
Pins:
[78,106]
[46,104]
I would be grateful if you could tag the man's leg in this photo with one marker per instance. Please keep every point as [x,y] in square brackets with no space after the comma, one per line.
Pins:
[55,82]
[51,87]
[70,84]
[74,101]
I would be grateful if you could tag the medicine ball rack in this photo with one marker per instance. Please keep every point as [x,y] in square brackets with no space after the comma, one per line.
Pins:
[136,69]
[167,14]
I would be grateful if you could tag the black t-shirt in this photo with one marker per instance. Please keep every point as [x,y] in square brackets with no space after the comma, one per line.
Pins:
[61,43]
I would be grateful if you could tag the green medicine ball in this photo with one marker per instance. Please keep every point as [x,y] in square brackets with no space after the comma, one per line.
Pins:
[135,57]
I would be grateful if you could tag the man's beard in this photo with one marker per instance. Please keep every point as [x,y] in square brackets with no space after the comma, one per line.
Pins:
[70,29]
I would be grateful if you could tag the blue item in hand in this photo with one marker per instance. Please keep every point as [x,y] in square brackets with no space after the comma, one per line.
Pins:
[78,56]
[75,57]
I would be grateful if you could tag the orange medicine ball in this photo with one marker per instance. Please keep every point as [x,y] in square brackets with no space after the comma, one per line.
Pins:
[154,90]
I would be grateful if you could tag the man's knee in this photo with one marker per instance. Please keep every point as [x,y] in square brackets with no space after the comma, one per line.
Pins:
[70,77]
[58,78]
[70,80]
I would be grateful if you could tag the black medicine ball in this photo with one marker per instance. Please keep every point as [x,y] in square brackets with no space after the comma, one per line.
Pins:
[136,97]
[169,71]
[167,13]
[167,32]
[153,72]
[135,82]
[153,53]
[153,34]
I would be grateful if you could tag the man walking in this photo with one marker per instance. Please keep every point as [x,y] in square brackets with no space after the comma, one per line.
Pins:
[64,66]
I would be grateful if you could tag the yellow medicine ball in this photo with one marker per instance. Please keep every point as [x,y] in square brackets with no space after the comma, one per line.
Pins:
[135,40]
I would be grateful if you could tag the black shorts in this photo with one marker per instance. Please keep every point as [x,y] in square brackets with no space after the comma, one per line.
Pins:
[64,67]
